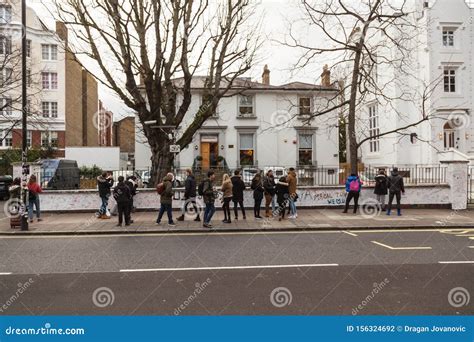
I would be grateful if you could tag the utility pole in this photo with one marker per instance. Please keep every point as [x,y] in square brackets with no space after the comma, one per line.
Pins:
[24,105]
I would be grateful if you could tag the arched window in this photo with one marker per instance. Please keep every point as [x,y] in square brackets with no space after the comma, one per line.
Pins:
[448,132]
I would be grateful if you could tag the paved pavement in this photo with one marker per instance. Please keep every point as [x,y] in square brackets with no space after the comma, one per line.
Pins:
[308,219]
[388,272]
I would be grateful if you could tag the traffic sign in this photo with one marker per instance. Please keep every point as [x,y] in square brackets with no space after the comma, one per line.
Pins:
[175,148]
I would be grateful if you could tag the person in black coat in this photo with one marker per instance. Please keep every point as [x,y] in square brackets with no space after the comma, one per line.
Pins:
[104,183]
[123,197]
[238,187]
[258,190]
[189,196]
[381,188]
[282,195]
[131,182]
[396,189]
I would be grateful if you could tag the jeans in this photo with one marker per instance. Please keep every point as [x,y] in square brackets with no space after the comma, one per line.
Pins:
[292,206]
[236,211]
[352,195]
[226,208]
[105,203]
[270,199]
[36,204]
[398,196]
[209,212]
[256,207]
[169,212]
[381,200]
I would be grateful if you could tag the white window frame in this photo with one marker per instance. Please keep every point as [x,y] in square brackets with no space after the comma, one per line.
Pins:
[51,139]
[374,129]
[29,138]
[49,52]
[49,80]
[310,107]
[446,33]
[5,14]
[5,45]
[239,105]
[312,135]
[254,144]
[8,109]
[6,76]
[28,48]
[450,78]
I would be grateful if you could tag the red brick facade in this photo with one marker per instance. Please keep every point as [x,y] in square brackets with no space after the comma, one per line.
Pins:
[36,141]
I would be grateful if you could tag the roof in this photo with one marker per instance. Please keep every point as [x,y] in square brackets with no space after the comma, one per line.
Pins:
[244,83]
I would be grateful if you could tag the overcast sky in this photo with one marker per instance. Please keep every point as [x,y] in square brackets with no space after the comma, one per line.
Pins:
[277,14]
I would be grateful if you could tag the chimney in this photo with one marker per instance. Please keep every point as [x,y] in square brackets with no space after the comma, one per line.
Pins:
[266,75]
[326,77]
[61,31]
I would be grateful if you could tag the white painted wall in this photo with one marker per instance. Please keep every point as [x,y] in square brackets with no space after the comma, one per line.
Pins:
[107,158]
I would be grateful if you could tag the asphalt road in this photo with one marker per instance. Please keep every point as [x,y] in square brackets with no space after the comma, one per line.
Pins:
[317,273]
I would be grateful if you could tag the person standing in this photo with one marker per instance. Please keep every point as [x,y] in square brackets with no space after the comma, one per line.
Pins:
[104,183]
[258,190]
[292,181]
[227,197]
[123,197]
[209,196]
[282,195]
[238,187]
[34,189]
[269,186]
[396,189]
[353,187]
[166,199]
[189,195]
[131,183]
[381,188]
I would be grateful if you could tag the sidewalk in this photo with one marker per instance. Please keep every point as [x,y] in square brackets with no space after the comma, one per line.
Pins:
[308,219]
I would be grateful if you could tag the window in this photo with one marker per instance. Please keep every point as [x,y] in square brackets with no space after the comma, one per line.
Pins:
[5,14]
[28,138]
[49,52]
[6,76]
[5,45]
[49,109]
[8,139]
[246,106]
[305,149]
[45,109]
[28,48]
[44,139]
[449,80]
[246,149]
[448,37]
[304,105]
[53,139]
[28,107]
[29,80]
[448,133]
[374,130]
[49,80]
[54,109]
[49,139]
[6,105]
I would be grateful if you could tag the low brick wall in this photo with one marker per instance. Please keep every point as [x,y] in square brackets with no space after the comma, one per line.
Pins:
[309,197]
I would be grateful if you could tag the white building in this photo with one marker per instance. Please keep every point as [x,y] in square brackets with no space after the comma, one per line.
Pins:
[443,56]
[46,80]
[262,126]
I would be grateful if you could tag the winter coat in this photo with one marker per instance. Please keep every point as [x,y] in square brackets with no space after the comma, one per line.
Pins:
[269,185]
[258,189]
[122,193]
[349,180]
[395,183]
[291,180]
[227,189]
[15,191]
[189,187]
[381,185]
[282,193]
[238,187]
[167,196]
[208,191]
[34,190]
[104,185]
[132,186]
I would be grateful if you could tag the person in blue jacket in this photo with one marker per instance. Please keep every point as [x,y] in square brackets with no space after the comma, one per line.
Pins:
[353,187]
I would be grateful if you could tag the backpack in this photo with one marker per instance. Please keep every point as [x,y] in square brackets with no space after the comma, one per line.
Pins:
[160,188]
[201,189]
[354,185]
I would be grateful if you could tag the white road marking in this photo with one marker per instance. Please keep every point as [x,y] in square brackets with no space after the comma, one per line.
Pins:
[225,268]
[399,248]
[5,273]
[470,246]
[349,233]
[456,262]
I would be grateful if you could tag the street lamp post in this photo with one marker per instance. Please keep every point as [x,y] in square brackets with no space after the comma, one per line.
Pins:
[24,105]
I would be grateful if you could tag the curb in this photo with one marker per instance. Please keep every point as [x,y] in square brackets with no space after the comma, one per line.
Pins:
[234,230]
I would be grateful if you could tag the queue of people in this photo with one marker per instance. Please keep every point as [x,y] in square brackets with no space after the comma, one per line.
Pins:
[279,195]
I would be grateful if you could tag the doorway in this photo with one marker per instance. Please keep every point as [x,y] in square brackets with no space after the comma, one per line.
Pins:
[209,151]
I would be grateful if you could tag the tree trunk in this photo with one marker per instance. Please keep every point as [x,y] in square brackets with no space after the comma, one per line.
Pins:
[352,113]
[161,163]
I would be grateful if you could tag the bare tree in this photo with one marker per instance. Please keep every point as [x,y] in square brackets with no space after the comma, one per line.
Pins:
[149,53]
[373,44]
